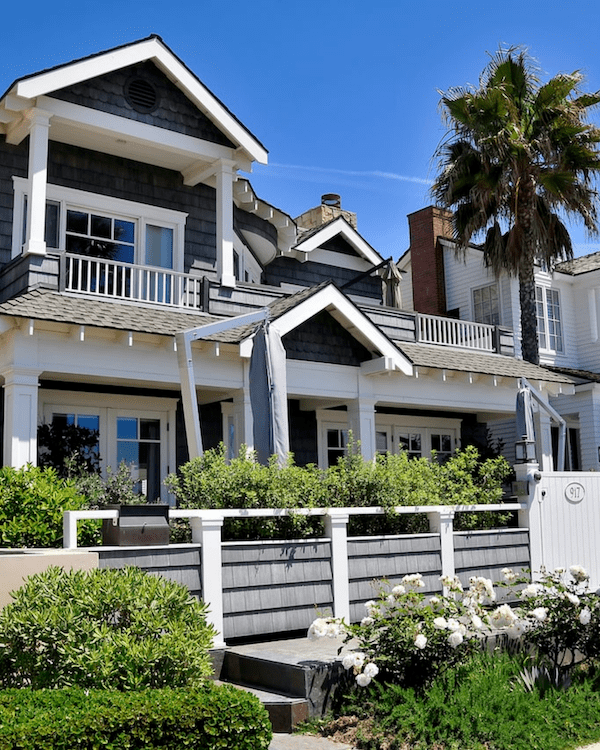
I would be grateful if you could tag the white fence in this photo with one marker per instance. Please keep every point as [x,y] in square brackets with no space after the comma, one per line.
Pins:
[207,526]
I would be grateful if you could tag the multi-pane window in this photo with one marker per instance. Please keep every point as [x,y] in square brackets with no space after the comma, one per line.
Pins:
[89,424]
[442,445]
[138,445]
[486,305]
[411,443]
[337,445]
[100,236]
[549,323]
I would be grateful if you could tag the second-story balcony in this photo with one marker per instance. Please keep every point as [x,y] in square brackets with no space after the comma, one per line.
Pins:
[118,281]
[111,279]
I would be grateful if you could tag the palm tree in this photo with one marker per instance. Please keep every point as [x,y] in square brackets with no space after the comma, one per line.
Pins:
[519,158]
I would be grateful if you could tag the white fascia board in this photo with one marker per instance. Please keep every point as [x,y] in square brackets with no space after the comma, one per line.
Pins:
[140,132]
[341,227]
[356,323]
[148,49]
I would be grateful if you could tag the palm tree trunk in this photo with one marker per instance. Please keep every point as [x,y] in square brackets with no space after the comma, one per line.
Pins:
[529,337]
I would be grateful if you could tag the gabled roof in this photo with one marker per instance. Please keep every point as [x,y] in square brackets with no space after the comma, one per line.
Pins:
[577,266]
[310,243]
[42,84]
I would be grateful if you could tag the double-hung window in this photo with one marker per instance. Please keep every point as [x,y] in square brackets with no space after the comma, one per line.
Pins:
[486,305]
[549,322]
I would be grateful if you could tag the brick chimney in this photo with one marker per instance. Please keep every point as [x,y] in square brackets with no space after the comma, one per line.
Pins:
[427,258]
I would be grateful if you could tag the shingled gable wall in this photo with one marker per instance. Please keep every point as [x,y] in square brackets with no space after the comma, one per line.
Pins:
[426,254]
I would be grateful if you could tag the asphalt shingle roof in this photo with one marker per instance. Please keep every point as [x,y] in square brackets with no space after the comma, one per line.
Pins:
[465,360]
[44,304]
[576,266]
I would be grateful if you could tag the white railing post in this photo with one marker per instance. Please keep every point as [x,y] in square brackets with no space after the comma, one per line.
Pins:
[208,527]
[527,490]
[336,528]
[70,529]
[442,522]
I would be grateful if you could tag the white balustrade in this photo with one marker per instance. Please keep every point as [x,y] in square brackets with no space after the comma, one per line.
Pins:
[432,329]
[115,280]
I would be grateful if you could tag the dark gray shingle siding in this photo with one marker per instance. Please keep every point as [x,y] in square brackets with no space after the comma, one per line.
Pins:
[174,112]
[13,161]
[323,339]
[95,172]
[292,271]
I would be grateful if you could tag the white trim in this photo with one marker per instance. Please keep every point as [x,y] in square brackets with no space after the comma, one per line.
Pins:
[147,49]
[141,213]
[338,227]
[350,317]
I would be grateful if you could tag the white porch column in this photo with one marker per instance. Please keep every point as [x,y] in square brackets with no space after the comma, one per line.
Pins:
[20,416]
[361,420]
[35,242]
[243,413]
[224,175]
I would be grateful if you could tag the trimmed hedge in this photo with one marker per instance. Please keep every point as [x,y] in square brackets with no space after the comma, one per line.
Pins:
[204,718]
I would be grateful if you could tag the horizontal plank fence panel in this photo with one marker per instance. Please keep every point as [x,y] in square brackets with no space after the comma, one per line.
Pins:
[486,553]
[371,559]
[271,587]
[179,564]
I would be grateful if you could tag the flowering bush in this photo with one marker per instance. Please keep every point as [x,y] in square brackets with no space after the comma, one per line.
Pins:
[409,637]
[557,615]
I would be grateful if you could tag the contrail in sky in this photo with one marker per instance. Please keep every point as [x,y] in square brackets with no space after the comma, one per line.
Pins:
[356,173]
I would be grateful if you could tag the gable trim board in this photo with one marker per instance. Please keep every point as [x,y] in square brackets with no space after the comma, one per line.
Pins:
[338,227]
[154,49]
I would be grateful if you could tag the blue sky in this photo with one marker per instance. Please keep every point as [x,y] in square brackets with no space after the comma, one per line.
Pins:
[343,94]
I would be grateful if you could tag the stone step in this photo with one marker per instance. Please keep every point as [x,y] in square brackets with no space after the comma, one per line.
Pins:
[295,679]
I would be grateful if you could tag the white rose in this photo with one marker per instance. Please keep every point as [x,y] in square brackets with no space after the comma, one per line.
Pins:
[585,616]
[453,624]
[362,679]
[503,616]
[455,638]
[476,620]
[572,598]
[440,623]
[420,641]
[531,591]
[367,621]
[578,573]
[318,629]
[516,630]
[371,670]
[540,613]
[398,590]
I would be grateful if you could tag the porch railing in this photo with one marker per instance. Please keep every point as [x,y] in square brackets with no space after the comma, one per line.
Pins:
[114,280]
[432,329]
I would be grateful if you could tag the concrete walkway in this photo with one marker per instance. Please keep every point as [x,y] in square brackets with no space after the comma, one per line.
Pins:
[304,742]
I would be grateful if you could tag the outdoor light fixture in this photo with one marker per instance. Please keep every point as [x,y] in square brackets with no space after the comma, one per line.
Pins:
[525,450]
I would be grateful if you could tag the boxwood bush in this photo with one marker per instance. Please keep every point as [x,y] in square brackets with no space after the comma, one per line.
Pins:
[206,717]
[121,629]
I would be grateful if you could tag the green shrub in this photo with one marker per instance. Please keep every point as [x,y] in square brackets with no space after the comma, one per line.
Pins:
[207,717]
[475,706]
[32,501]
[211,481]
[120,629]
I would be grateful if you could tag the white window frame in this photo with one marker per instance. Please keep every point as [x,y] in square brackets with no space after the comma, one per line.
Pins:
[108,408]
[494,285]
[544,291]
[248,265]
[392,425]
[142,214]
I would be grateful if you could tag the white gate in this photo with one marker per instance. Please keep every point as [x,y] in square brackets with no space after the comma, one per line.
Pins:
[564,521]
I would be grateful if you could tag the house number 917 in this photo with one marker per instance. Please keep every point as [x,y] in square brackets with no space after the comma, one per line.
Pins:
[574,492]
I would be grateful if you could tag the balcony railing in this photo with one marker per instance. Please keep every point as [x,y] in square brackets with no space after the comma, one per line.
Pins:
[432,329]
[110,279]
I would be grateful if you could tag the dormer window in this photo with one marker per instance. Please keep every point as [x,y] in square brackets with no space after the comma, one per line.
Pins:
[88,224]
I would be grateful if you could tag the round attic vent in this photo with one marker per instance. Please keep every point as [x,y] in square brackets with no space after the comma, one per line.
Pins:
[141,95]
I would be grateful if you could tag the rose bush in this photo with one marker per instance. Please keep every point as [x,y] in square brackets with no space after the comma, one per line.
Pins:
[408,637]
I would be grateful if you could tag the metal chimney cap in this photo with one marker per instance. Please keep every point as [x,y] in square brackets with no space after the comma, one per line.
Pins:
[331,199]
